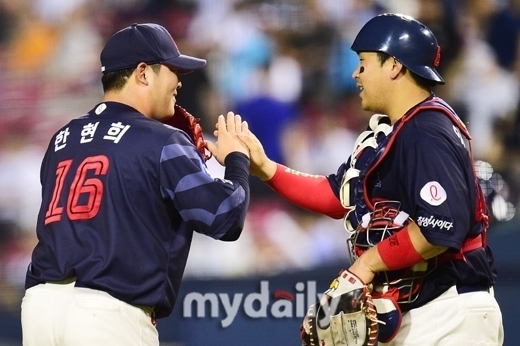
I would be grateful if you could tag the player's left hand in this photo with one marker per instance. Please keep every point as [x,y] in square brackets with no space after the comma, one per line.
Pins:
[228,130]
[344,316]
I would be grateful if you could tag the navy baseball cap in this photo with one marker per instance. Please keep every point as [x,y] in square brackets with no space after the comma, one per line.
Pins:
[149,43]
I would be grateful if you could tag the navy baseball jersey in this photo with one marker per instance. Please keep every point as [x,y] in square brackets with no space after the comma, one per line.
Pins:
[429,170]
[122,195]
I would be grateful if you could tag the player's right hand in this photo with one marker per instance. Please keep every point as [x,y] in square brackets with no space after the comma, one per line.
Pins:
[228,130]
[261,166]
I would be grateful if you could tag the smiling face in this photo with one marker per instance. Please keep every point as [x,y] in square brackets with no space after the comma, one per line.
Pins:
[372,79]
[163,92]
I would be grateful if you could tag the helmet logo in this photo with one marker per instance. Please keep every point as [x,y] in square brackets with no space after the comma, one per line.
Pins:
[437,59]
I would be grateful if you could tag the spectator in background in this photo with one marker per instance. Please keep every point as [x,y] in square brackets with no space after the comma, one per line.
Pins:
[235,60]
[274,103]
[500,24]
[485,90]
[348,17]
[441,16]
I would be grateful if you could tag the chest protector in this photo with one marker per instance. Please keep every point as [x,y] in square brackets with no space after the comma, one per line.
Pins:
[372,221]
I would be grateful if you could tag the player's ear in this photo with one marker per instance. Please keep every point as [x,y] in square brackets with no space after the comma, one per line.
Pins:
[141,73]
[397,68]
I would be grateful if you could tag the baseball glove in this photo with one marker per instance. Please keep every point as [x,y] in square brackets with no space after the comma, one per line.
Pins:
[345,316]
[183,120]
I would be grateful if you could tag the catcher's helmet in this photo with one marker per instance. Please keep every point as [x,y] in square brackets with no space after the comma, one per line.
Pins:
[404,38]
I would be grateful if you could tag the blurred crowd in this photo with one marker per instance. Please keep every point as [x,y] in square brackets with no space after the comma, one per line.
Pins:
[285,66]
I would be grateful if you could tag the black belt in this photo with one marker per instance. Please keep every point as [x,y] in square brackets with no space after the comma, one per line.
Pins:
[471,288]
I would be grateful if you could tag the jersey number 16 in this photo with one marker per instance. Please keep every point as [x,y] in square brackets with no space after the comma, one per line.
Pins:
[92,188]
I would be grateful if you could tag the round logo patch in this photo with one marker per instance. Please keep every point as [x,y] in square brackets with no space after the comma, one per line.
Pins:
[100,108]
[433,193]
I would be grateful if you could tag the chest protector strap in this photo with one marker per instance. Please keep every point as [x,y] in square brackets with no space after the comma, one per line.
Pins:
[365,204]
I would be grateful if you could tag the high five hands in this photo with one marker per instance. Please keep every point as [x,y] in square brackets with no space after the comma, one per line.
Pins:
[261,165]
[228,131]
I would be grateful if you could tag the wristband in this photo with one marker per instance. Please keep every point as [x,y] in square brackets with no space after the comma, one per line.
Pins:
[398,252]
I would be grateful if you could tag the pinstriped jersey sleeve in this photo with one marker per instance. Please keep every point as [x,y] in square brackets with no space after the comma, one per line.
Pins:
[210,206]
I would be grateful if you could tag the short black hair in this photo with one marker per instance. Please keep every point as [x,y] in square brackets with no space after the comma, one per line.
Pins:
[421,81]
[116,80]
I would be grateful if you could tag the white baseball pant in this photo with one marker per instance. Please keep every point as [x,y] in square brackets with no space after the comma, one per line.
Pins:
[453,319]
[64,315]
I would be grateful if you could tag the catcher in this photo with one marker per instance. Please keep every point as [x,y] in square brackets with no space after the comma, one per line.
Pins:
[422,272]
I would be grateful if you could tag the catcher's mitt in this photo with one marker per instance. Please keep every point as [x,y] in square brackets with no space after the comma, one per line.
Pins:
[345,316]
[183,120]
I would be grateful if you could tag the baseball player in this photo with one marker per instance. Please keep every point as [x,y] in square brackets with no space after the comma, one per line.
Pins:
[409,197]
[122,194]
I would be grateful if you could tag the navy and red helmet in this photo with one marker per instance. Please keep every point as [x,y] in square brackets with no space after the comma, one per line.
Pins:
[404,38]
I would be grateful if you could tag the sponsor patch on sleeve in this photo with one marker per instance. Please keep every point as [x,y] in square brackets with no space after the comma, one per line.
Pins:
[436,223]
[433,193]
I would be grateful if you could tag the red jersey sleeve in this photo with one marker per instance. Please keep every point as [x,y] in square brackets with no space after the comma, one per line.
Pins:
[308,191]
